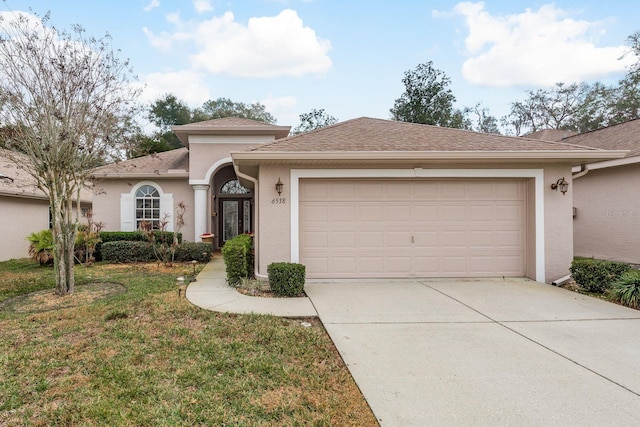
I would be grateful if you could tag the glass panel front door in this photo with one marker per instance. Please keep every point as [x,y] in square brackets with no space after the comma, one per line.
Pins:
[230,217]
[235,218]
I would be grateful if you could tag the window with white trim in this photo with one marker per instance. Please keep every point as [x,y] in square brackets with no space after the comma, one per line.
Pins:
[147,204]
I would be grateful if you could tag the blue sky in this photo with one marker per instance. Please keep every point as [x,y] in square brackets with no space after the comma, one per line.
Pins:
[349,57]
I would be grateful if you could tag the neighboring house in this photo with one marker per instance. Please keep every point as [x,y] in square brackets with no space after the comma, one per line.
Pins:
[606,196]
[23,207]
[362,198]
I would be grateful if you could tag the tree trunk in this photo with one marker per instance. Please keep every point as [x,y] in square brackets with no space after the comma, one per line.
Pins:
[64,235]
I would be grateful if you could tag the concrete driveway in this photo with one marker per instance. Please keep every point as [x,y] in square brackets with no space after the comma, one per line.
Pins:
[485,352]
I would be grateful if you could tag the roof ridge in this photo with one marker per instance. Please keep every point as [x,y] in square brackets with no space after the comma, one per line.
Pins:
[602,128]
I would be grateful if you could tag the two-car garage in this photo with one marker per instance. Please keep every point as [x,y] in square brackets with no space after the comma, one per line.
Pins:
[358,228]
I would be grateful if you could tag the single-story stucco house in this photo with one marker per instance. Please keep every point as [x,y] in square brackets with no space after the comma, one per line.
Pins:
[23,207]
[606,195]
[362,198]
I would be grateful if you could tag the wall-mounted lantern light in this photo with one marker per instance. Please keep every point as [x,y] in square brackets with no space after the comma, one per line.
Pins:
[561,185]
[279,186]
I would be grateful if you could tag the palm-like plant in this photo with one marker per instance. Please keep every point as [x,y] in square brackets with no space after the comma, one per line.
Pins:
[626,289]
[41,247]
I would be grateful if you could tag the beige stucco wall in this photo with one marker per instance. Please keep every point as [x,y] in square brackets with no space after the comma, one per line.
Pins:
[274,234]
[607,221]
[106,201]
[20,217]
[206,151]
[558,223]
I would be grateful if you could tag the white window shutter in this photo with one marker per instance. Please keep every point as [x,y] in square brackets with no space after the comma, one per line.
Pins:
[166,208]
[127,213]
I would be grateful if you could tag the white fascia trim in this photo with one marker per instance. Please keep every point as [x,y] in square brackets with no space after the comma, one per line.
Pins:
[611,163]
[536,174]
[212,169]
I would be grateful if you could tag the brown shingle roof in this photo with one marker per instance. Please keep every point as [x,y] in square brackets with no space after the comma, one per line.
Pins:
[550,134]
[229,126]
[153,164]
[13,165]
[623,136]
[368,134]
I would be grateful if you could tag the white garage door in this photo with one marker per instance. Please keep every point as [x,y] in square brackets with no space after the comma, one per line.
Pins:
[424,228]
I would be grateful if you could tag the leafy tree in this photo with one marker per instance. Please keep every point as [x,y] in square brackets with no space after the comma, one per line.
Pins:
[168,111]
[479,119]
[427,98]
[314,119]
[66,97]
[224,107]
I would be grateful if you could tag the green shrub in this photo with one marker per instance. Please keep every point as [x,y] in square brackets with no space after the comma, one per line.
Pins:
[41,247]
[137,236]
[596,275]
[626,289]
[190,251]
[123,251]
[238,255]
[286,278]
[132,236]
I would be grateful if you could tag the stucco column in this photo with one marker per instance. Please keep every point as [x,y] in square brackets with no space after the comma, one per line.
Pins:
[200,192]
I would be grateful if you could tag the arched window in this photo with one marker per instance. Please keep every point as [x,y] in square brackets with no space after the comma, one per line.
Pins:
[233,187]
[148,206]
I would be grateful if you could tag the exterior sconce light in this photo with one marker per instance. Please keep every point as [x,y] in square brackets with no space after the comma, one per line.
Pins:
[279,186]
[561,185]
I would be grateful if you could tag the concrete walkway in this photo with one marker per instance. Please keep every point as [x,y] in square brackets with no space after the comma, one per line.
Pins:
[211,291]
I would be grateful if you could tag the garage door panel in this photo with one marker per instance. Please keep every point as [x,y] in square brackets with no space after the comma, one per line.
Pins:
[342,214]
[397,213]
[397,239]
[343,239]
[315,213]
[426,239]
[509,212]
[398,264]
[403,228]
[370,213]
[453,213]
[370,239]
[398,190]
[315,240]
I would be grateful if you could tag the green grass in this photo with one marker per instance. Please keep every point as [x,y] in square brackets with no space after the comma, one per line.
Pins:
[147,357]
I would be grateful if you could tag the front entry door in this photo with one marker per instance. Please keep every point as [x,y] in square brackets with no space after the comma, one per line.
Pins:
[235,218]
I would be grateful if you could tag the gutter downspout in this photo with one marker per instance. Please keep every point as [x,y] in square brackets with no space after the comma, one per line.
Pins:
[256,235]
[584,169]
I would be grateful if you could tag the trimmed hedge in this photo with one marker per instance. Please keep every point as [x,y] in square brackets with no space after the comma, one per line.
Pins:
[238,258]
[132,236]
[123,251]
[595,275]
[190,251]
[286,278]
[137,236]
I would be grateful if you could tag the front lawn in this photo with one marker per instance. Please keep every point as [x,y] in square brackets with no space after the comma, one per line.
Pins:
[131,352]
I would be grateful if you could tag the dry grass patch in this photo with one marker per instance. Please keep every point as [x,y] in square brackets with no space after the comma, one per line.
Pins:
[147,357]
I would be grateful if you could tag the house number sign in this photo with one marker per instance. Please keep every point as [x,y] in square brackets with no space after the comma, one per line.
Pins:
[278,201]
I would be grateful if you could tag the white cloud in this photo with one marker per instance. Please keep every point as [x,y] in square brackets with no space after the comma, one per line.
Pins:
[282,108]
[265,47]
[165,40]
[186,85]
[202,6]
[540,47]
[152,5]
